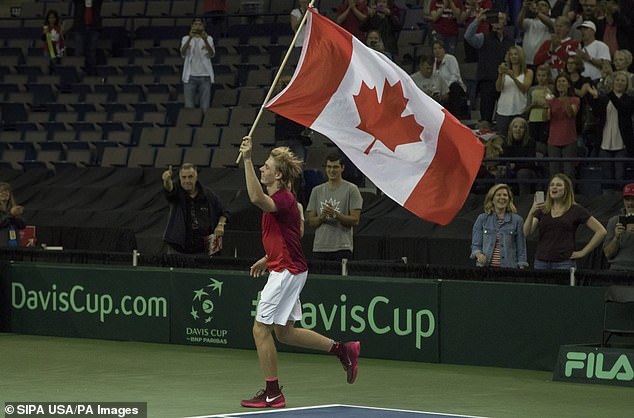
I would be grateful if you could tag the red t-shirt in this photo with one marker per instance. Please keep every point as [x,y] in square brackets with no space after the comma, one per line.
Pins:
[447,24]
[557,235]
[563,128]
[281,236]
[351,23]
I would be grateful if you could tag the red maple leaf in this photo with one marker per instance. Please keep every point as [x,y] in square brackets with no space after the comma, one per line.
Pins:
[383,119]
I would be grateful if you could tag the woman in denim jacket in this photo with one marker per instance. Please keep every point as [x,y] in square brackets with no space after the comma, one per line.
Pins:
[497,239]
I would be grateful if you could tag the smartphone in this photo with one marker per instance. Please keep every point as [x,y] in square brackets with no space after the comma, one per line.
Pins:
[492,16]
[539,196]
[623,220]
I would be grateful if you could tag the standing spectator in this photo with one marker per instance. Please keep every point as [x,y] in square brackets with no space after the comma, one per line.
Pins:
[513,82]
[296,18]
[534,19]
[53,37]
[197,49]
[383,16]
[585,120]
[562,133]
[497,239]
[10,217]
[593,52]
[279,306]
[445,16]
[472,9]
[447,68]
[86,27]
[491,48]
[334,208]
[428,81]
[557,219]
[351,14]
[538,108]
[615,113]
[613,28]
[618,246]
[195,213]
[520,145]
[555,51]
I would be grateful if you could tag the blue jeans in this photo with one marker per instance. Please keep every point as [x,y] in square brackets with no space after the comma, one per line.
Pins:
[197,91]
[554,265]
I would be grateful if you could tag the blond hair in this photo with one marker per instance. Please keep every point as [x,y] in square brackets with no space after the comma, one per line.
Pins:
[11,202]
[489,207]
[287,164]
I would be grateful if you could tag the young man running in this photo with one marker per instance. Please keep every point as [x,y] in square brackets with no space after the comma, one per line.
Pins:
[279,305]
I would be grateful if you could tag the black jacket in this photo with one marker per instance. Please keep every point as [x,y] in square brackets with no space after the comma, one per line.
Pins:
[178,231]
[78,19]
[625,108]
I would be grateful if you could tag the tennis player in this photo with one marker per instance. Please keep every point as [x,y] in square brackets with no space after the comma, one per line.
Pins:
[279,305]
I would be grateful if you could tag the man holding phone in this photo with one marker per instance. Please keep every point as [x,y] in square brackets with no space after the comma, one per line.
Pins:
[618,246]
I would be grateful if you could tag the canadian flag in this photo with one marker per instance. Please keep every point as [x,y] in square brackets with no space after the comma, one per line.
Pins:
[411,148]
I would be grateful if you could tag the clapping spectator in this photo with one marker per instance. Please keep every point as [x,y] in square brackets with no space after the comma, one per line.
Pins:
[497,238]
[593,52]
[513,82]
[562,133]
[445,16]
[351,14]
[615,111]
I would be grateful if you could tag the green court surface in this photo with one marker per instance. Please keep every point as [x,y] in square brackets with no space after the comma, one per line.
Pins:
[181,381]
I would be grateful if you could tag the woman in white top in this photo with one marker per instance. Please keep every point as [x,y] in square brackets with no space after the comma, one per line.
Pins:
[513,82]
[446,67]
[296,18]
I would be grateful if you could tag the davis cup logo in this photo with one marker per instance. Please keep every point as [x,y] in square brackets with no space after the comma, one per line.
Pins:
[203,311]
[202,302]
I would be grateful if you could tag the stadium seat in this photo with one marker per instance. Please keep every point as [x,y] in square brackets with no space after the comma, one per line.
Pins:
[152,137]
[190,117]
[114,157]
[167,156]
[216,116]
[179,136]
[206,137]
[200,156]
[141,157]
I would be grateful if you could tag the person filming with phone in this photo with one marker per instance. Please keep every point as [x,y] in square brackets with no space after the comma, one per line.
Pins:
[557,217]
[618,246]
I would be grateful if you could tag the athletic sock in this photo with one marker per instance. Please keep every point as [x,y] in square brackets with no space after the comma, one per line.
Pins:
[337,348]
[272,386]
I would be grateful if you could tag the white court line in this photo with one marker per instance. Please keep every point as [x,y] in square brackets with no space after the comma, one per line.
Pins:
[283,410]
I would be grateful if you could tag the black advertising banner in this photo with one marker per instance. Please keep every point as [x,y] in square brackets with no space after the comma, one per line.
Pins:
[392,319]
[90,302]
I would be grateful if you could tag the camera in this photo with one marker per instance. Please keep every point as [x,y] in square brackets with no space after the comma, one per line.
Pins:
[626,220]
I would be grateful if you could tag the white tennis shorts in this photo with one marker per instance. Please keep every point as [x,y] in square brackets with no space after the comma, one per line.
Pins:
[279,300]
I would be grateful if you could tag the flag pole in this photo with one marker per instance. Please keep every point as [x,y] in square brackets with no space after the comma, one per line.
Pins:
[278,75]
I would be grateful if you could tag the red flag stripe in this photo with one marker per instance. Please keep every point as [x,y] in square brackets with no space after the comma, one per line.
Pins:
[314,85]
[443,189]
